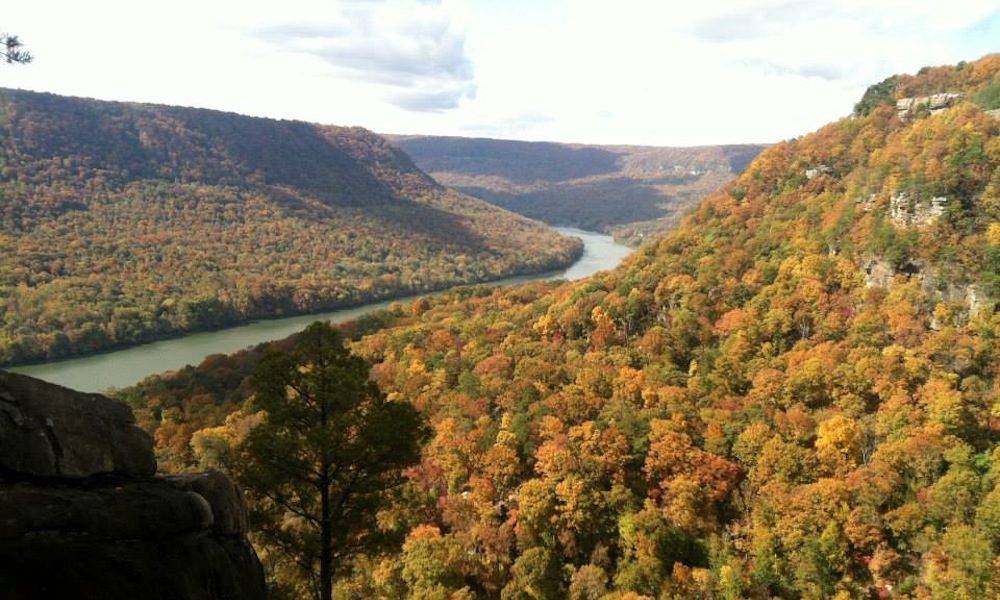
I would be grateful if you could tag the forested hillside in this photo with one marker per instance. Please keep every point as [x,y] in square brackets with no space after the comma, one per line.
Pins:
[794,395]
[632,192]
[121,223]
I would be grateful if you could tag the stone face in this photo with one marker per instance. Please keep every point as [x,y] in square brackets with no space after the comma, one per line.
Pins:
[818,170]
[966,299]
[904,212]
[150,509]
[934,103]
[82,516]
[50,431]
[878,273]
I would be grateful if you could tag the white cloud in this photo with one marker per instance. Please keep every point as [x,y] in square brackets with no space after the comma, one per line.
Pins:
[413,48]
[633,71]
[725,71]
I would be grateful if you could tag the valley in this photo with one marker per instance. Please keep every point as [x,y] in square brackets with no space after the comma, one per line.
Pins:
[631,192]
[127,223]
[126,367]
[792,395]
[790,391]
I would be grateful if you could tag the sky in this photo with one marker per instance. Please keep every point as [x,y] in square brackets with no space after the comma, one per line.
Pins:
[646,72]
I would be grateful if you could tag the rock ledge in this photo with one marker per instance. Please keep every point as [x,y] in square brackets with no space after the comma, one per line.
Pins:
[83,516]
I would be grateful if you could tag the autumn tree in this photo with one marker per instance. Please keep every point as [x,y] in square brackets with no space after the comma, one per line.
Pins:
[319,466]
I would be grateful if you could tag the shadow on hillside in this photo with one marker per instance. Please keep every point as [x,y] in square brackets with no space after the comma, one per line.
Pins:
[591,206]
[519,162]
[293,153]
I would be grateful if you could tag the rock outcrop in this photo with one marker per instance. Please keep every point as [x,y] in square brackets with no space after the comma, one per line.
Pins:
[83,516]
[934,103]
[814,172]
[51,431]
[967,299]
[904,212]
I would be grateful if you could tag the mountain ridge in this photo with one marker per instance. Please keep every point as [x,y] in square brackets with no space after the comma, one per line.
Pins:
[633,192]
[124,222]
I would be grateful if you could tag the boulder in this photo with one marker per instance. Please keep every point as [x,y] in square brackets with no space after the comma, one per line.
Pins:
[47,430]
[83,516]
[223,497]
[139,510]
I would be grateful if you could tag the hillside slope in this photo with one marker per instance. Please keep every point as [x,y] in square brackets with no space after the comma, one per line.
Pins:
[632,192]
[120,223]
[794,395]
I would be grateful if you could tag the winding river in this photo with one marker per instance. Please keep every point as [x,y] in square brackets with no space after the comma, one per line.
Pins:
[125,367]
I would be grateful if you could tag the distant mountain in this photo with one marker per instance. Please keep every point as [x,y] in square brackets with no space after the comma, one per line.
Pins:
[121,223]
[631,191]
[795,394]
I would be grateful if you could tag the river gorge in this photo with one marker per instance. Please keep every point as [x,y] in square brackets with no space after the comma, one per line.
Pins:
[126,367]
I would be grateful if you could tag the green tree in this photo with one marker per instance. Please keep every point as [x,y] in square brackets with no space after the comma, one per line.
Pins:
[320,465]
[12,50]
[881,93]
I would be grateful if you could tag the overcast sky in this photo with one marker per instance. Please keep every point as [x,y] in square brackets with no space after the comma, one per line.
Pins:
[657,72]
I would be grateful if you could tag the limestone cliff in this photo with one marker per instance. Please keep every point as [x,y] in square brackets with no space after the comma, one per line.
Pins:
[82,514]
[934,104]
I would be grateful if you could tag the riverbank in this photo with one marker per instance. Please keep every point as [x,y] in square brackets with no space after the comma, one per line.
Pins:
[125,367]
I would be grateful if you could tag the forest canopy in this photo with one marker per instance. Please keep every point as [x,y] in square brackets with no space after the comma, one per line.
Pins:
[794,395]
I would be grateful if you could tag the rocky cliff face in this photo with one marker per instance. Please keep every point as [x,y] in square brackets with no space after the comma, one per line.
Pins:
[934,103]
[82,514]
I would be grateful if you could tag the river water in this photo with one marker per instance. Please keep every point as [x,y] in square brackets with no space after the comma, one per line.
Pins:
[122,368]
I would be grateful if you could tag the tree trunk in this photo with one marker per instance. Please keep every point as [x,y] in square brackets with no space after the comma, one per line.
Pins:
[326,519]
[326,548]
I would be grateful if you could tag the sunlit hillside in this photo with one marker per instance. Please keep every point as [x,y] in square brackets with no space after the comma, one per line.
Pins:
[793,395]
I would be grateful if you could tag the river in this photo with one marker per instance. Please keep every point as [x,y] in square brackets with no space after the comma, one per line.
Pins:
[125,367]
